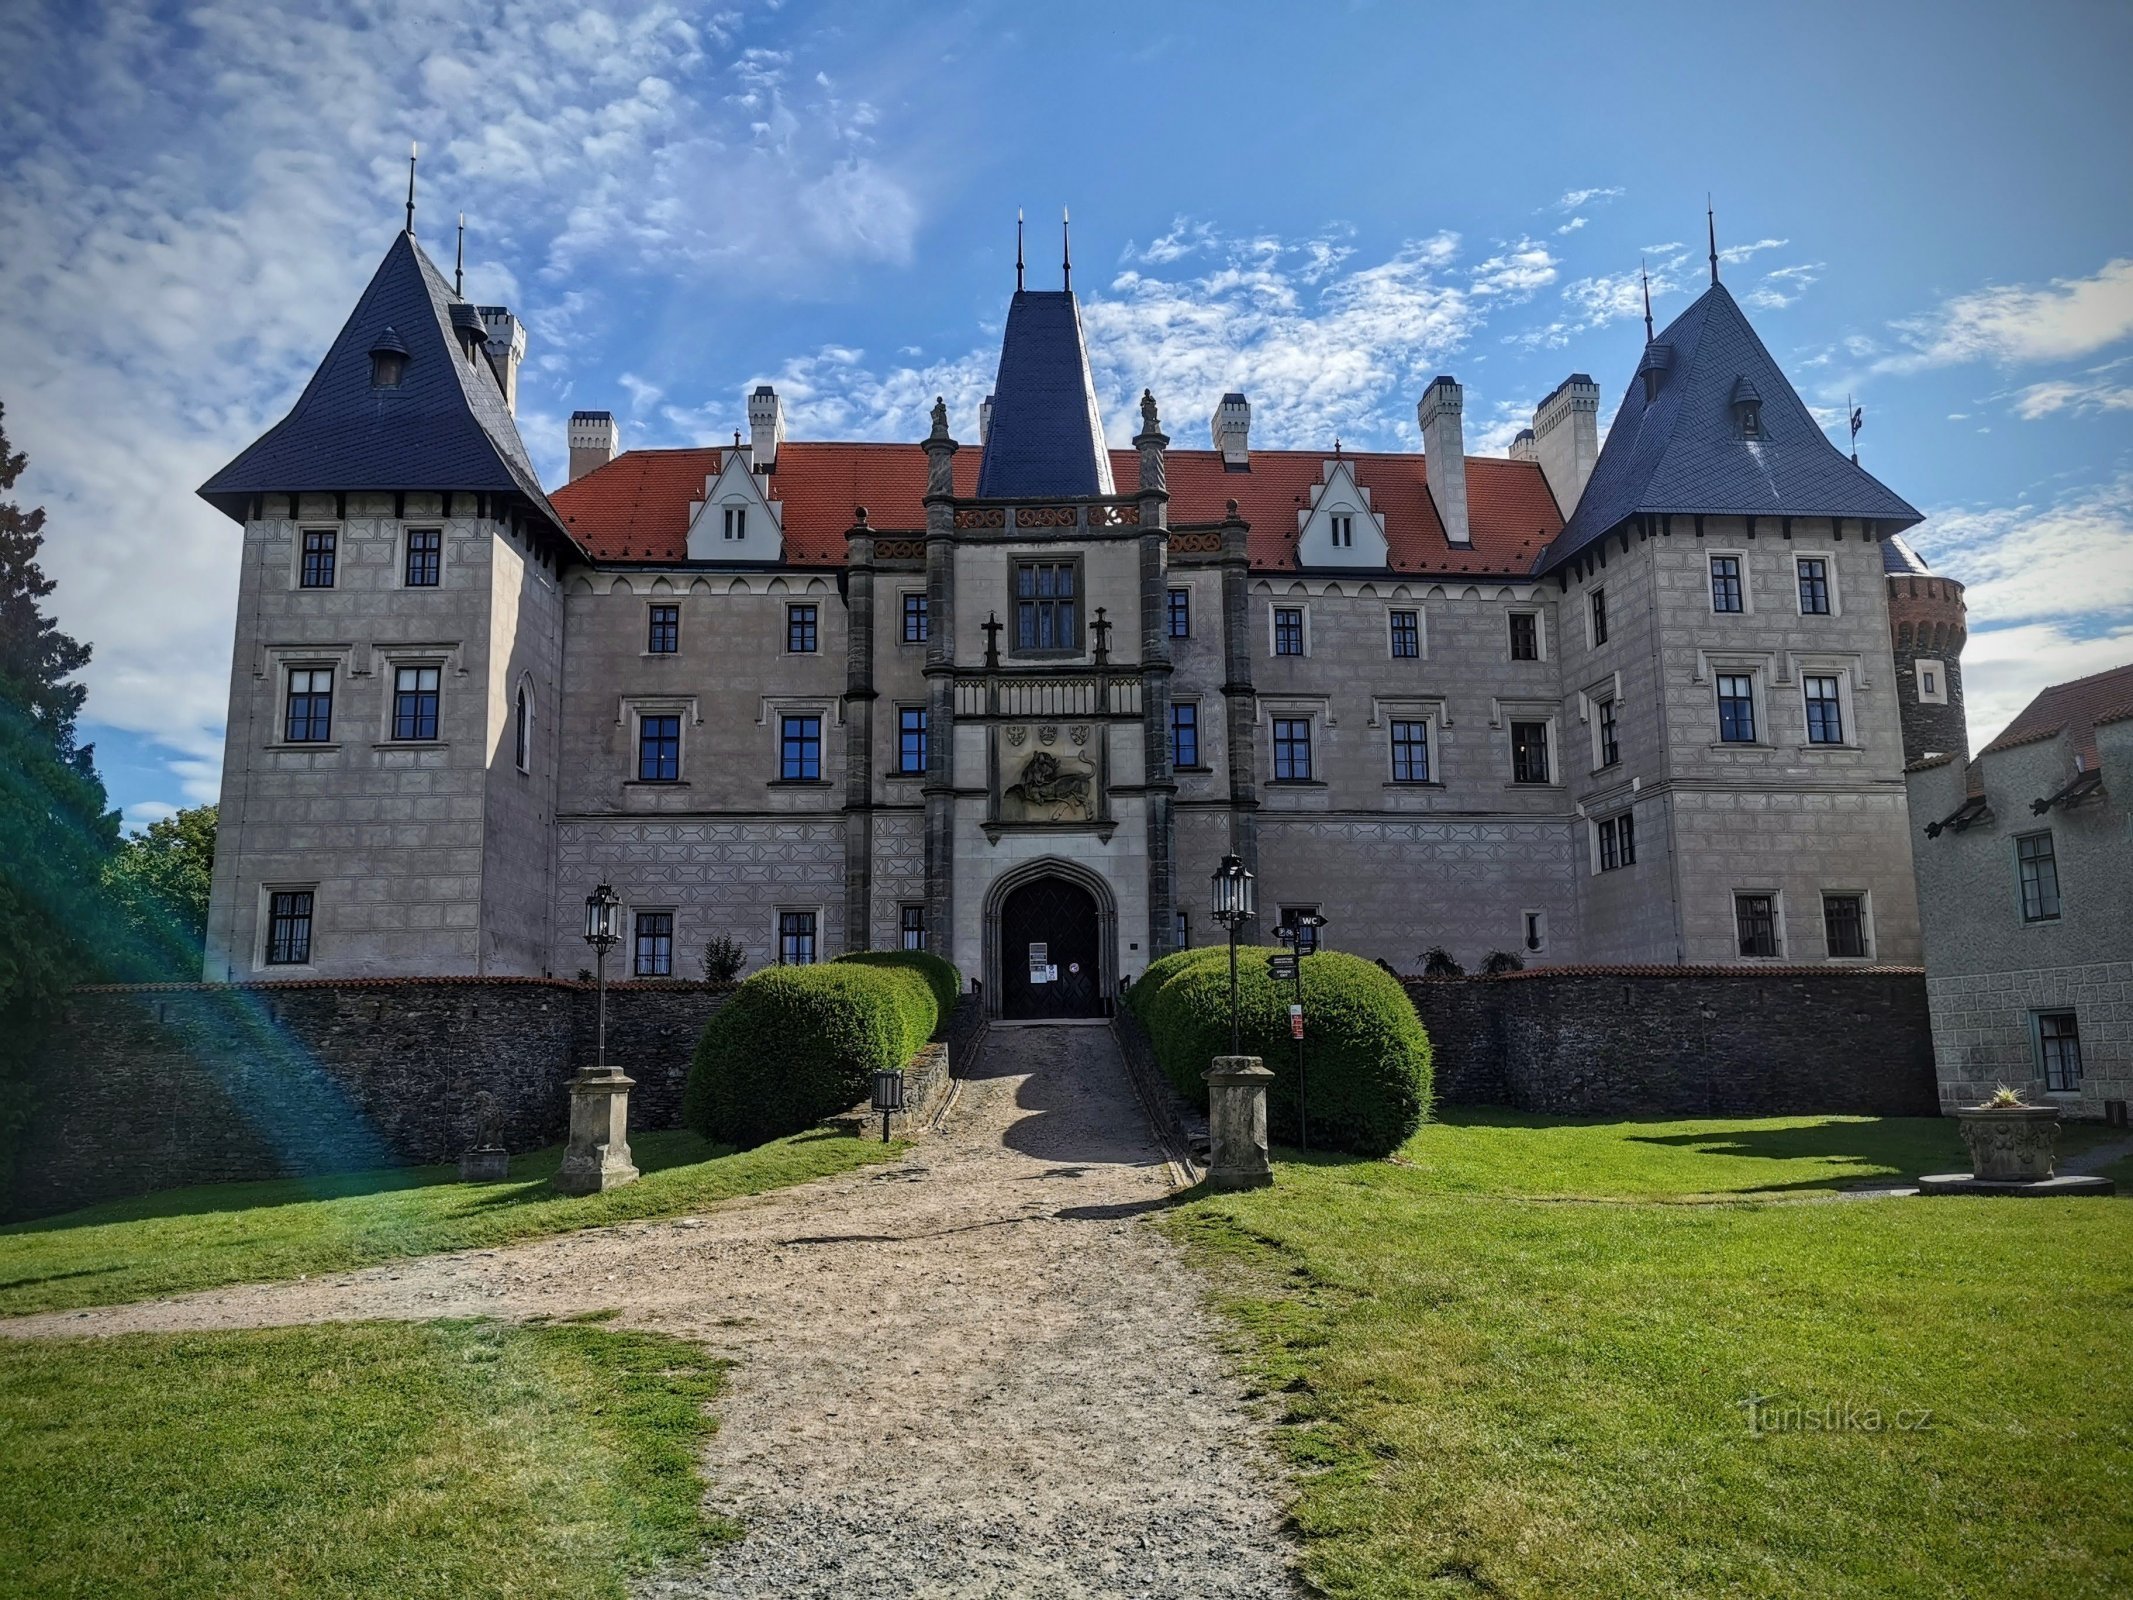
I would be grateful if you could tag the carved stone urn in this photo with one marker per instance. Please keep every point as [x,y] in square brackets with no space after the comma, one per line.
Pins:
[2010,1144]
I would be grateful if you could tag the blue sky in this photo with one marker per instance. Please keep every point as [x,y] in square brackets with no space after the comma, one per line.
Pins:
[1926,207]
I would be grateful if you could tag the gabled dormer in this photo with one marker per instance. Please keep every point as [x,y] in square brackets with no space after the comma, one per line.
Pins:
[1338,528]
[736,520]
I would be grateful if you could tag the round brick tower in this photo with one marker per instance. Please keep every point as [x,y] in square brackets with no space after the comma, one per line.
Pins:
[1927,625]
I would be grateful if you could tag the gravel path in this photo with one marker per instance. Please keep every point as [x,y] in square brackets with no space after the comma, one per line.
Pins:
[972,1373]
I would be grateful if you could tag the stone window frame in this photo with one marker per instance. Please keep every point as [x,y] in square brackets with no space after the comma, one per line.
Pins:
[778,914]
[1533,930]
[771,712]
[1309,719]
[1710,583]
[630,713]
[1540,634]
[407,557]
[2044,918]
[672,913]
[263,933]
[1776,897]
[1083,613]
[1392,632]
[1199,727]
[904,614]
[2041,1055]
[280,661]
[1938,695]
[1625,841]
[812,624]
[897,769]
[305,527]
[907,925]
[390,658]
[1597,629]
[1867,941]
[525,709]
[1846,669]
[652,606]
[1296,603]
[1829,583]
[1174,611]
[1504,713]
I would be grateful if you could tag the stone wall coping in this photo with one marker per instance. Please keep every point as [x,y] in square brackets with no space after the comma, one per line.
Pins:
[1671,972]
[653,985]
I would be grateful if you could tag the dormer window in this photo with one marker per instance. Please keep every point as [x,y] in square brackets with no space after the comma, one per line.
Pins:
[388,361]
[1747,409]
[736,522]
[1652,369]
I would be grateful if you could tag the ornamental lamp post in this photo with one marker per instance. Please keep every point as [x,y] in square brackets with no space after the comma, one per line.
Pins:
[1235,904]
[1236,1083]
[597,1158]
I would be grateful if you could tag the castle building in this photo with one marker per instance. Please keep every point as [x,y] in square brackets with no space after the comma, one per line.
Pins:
[1013,697]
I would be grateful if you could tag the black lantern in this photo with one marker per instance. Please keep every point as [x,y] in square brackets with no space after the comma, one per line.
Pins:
[1235,904]
[888,1096]
[603,931]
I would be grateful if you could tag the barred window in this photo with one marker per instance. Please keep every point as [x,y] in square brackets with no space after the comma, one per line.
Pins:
[2059,1044]
[800,749]
[1736,708]
[1184,733]
[665,637]
[1529,752]
[911,927]
[1814,586]
[914,619]
[659,749]
[1756,917]
[320,545]
[796,938]
[1292,749]
[310,719]
[1844,924]
[1410,750]
[2039,870]
[910,739]
[289,928]
[1047,615]
[1725,584]
[1525,636]
[1406,634]
[1610,745]
[800,630]
[654,945]
[425,557]
[1288,631]
[415,691]
[1825,715]
[1180,613]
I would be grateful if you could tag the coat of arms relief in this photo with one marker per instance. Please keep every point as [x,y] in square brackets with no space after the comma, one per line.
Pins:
[1047,774]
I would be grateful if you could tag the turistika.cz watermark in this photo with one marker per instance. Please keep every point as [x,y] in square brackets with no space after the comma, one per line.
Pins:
[1767,1413]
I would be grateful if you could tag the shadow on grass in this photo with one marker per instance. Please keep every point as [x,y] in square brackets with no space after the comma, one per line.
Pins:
[1891,1146]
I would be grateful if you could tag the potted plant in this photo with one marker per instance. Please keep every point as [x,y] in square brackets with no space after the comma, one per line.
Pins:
[2010,1140]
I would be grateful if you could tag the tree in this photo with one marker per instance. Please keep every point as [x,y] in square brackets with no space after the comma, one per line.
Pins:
[158,883]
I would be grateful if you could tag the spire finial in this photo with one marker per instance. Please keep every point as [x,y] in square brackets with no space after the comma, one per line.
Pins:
[1066,244]
[1645,274]
[412,150]
[1711,221]
[459,261]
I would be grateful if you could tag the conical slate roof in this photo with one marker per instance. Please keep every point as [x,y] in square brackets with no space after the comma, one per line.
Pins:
[1683,453]
[445,426]
[1046,437]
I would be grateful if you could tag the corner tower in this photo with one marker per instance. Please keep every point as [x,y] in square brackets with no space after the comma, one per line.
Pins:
[1928,624]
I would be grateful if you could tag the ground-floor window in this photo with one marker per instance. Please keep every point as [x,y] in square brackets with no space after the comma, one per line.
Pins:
[911,927]
[1618,842]
[1756,917]
[289,927]
[2059,1047]
[796,938]
[655,945]
[1844,921]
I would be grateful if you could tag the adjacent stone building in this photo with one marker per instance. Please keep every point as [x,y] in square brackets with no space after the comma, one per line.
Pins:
[1012,696]
[2025,872]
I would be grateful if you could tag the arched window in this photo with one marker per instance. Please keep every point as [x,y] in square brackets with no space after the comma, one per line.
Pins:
[388,361]
[523,730]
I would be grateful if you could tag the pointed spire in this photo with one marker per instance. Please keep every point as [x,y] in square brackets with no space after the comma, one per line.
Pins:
[459,262]
[1018,249]
[1711,222]
[1643,273]
[1066,244]
[412,150]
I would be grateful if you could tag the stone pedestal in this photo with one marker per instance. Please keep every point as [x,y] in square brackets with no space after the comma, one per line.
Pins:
[598,1156]
[2012,1152]
[485,1163]
[1236,1119]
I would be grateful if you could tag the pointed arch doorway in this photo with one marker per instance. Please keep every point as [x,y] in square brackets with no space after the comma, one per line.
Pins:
[1049,932]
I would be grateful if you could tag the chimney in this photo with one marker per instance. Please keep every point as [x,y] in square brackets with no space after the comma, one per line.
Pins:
[594,438]
[766,427]
[1444,443]
[506,349]
[1523,448]
[984,421]
[1566,438]
[1232,428]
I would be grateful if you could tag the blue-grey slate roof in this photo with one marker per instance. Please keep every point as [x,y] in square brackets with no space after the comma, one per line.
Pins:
[445,426]
[1046,437]
[1900,560]
[1683,452]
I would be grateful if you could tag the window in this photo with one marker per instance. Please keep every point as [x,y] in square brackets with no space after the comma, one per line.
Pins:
[1736,707]
[1184,733]
[911,740]
[2059,1047]
[1756,917]
[1725,584]
[1604,731]
[911,927]
[1184,931]
[425,557]
[319,547]
[1525,636]
[1814,586]
[1844,925]
[289,928]
[2039,870]
[1180,613]
[665,637]
[522,731]
[1406,635]
[310,719]
[1343,532]
[800,749]
[1536,932]
[415,702]
[654,945]
[1292,749]
[1046,615]
[801,632]
[736,522]
[1306,937]
[914,619]
[1618,842]
[659,749]
[1932,683]
[1529,752]
[1288,631]
[1825,716]
[796,938]
[1410,750]
[1599,617]
[1751,422]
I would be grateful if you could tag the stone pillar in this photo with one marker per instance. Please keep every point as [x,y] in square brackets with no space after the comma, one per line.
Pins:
[1240,701]
[1236,1120]
[1161,782]
[598,1156]
[859,697]
[940,685]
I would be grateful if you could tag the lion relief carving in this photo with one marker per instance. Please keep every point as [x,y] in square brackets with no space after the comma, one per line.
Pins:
[1050,787]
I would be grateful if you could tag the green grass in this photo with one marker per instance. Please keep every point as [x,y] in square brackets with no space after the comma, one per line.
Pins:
[374,1459]
[248,1232]
[1488,1389]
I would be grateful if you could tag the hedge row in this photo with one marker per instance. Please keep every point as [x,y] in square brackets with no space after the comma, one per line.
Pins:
[1367,1070]
[797,1044]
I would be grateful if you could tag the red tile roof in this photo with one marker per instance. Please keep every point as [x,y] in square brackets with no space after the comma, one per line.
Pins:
[636,508]
[2073,708]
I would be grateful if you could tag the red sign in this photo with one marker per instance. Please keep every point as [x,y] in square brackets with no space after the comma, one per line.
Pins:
[1296,1022]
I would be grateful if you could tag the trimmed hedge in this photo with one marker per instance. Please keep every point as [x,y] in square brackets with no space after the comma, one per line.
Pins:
[797,1044]
[940,974]
[1367,1069]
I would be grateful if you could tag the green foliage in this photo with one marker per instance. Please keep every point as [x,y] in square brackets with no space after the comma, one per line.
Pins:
[1498,962]
[723,959]
[1438,962]
[1163,968]
[158,885]
[797,1044]
[1367,1060]
[940,974]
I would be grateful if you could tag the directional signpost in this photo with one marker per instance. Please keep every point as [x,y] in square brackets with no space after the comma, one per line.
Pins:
[1300,930]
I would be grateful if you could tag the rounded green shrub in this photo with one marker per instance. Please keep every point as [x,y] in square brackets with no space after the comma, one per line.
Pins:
[1163,969]
[1367,1071]
[940,974]
[797,1044]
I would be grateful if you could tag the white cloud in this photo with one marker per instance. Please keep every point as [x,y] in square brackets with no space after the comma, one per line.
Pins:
[2084,396]
[2004,668]
[1574,198]
[1572,225]
[1781,286]
[2071,318]
[1515,272]
[1741,252]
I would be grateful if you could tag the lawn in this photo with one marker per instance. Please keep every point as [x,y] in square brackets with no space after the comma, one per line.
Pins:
[1514,1362]
[248,1232]
[402,1459]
